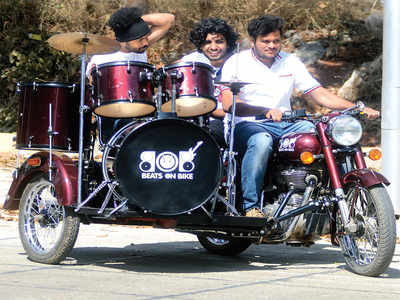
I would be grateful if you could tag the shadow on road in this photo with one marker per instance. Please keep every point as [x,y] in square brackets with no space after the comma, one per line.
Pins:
[190,257]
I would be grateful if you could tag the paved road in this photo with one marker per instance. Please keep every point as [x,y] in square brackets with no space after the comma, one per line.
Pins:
[123,262]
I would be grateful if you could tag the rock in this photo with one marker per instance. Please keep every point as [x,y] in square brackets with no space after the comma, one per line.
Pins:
[364,82]
[374,24]
[310,52]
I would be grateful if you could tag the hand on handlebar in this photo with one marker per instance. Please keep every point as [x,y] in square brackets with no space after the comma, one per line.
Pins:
[274,114]
[371,113]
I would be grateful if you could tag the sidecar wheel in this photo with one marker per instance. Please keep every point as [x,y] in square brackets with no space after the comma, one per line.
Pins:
[226,247]
[47,230]
[369,251]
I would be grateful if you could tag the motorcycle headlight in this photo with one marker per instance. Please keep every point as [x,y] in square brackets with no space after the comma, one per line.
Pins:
[345,130]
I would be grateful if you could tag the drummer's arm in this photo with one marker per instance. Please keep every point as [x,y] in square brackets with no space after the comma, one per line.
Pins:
[160,24]
[242,109]
[218,113]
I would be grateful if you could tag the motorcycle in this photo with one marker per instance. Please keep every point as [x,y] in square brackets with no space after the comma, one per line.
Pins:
[318,184]
[163,168]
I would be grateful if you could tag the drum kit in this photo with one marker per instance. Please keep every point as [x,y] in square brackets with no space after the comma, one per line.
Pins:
[165,162]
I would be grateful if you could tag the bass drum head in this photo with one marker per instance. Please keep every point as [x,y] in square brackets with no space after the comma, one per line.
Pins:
[168,166]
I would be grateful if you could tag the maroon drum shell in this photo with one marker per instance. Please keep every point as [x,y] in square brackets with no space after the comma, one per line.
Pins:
[196,84]
[292,145]
[33,116]
[121,89]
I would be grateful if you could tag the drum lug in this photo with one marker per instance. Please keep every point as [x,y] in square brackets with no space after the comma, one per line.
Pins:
[73,88]
[196,90]
[130,96]
[18,91]
[30,141]
[34,86]
[194,67]
[145,76]
[84,108]
[69,144]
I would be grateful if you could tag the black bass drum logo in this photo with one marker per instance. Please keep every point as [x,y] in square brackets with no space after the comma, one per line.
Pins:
[168,165]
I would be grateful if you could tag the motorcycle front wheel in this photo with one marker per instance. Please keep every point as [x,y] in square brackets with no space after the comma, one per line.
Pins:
[370,249]
[225,247]
[47,230]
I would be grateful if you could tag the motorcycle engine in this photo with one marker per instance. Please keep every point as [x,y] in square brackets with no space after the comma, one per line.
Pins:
[295,201]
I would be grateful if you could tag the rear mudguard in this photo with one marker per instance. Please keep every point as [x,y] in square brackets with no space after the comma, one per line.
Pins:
[366,177]
[65,179]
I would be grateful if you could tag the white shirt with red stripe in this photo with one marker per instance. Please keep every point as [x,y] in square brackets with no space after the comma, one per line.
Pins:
[99,59]
[270,87]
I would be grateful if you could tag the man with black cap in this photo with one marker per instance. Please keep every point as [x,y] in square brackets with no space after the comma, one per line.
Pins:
[135,33]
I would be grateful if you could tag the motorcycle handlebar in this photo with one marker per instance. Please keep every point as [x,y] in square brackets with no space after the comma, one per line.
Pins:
[301,113]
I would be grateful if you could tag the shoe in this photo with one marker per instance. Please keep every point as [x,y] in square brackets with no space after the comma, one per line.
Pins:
[254,213]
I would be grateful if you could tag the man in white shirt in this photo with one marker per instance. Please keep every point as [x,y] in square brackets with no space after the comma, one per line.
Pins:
[215,41]
[274,75]
[135,33]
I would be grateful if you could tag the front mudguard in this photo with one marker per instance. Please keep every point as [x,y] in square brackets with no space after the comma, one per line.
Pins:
[65,178]
[366,177]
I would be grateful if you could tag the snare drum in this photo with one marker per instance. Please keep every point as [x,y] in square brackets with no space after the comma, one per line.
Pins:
[35,102]
[123,89]
[194,89]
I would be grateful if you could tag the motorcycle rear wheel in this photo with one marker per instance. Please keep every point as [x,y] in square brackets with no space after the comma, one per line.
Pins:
[225,247]
[369,250]
[47,230]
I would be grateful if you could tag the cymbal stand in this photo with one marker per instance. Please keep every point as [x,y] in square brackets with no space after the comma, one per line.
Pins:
[82,109]
[235,88]
[158,79]
[174,76]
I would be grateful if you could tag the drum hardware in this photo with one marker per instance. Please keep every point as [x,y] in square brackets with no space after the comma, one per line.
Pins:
[174,77]
[158,79]
[51,133]
[193,67]
[92,194]
[130,96]
[119,207]
[69,142]
[108,197]
[30,141]
[235,86]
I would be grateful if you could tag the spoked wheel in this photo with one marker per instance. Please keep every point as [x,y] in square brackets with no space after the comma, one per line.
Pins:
[369,250]
[226,247]
[48,230]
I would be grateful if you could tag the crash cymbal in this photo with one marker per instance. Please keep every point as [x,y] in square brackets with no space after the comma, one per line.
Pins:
[72,42]
[236,83]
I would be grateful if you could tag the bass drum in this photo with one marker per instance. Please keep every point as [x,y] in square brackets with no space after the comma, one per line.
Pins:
[168,166]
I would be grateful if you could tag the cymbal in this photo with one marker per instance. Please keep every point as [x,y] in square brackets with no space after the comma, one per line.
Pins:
[236,83]
[72,42]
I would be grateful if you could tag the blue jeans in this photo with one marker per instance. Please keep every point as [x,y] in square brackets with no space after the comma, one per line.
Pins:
[254,141]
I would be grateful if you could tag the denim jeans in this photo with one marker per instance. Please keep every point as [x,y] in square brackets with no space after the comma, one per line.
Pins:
[254,142]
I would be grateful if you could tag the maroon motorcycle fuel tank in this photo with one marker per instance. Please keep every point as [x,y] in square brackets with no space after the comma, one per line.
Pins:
[291,145]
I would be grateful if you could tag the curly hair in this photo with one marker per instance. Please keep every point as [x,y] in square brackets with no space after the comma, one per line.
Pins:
[124,18]
[213,25]
[264,25]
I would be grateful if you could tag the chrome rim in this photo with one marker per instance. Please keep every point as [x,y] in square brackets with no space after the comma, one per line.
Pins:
[217,242]
[43,218]
[361,247]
